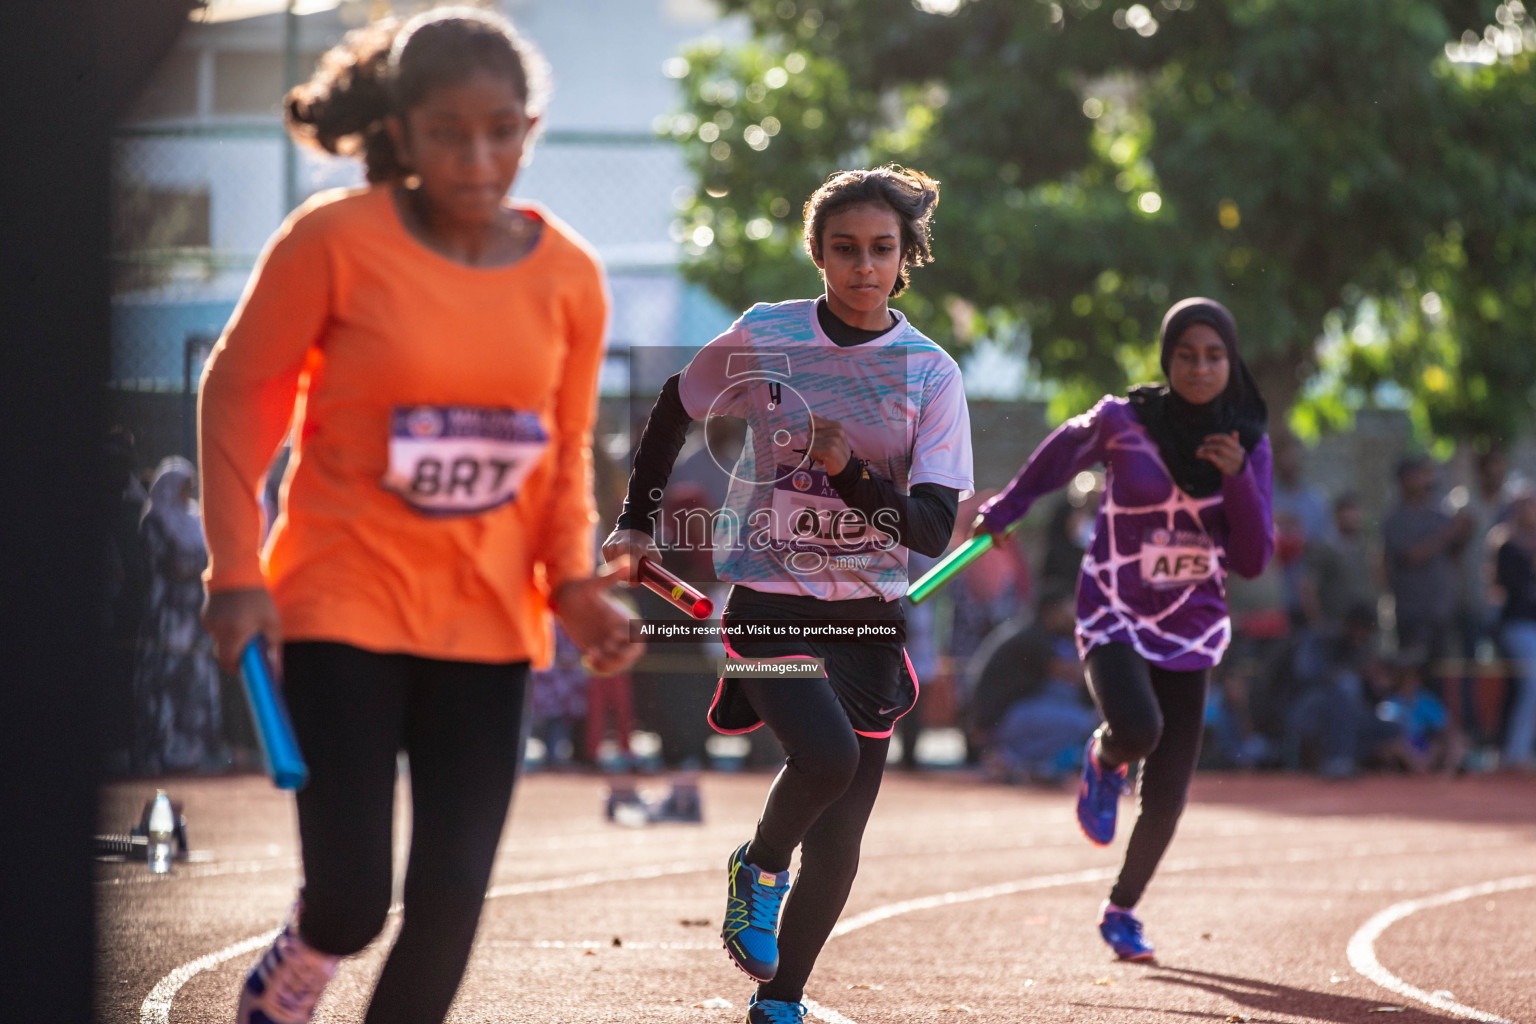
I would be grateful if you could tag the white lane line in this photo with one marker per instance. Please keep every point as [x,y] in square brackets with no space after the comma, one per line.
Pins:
[597,878]
[156,1008]
[157,1005]
[1362,945]
[1298,855]
[986,892]
[825,1013]
[592,944]
[205,870]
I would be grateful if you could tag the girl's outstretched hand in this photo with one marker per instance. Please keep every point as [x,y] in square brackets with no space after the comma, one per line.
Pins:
[595,622]
[979,527]
[633,545]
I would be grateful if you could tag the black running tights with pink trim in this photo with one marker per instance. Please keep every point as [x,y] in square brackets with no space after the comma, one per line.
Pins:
[820,801]
[1156,716]
[460,725]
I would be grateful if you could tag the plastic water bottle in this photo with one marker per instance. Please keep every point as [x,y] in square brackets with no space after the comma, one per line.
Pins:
[162,829]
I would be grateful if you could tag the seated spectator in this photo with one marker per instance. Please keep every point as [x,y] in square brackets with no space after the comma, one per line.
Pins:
[1333,723]
[1029,713]
[1435,742]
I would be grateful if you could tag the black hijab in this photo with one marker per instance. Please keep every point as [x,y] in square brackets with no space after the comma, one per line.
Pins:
[1179,427]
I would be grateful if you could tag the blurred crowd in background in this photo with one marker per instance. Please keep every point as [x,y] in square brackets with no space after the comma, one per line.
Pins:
[1405,645]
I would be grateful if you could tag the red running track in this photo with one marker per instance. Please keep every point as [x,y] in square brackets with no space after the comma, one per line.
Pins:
[1282,899]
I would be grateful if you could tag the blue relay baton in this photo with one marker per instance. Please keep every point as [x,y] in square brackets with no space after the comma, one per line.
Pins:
[274,730]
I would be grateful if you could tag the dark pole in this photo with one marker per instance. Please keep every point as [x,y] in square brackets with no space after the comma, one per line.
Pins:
[290,79]
[67,71]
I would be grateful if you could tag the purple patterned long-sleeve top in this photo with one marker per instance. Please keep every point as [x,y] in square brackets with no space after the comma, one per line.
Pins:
[1154,576]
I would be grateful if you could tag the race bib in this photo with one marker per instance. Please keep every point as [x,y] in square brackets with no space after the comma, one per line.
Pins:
[459,460]
[808,514]
[1176,558]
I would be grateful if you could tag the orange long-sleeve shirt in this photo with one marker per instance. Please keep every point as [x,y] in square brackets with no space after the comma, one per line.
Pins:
[347,320]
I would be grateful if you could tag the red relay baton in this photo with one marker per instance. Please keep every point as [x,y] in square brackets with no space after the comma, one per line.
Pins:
[674,591]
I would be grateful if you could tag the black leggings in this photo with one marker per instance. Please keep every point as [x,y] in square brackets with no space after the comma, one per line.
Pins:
[460,725]
[1153,714]
[820,801]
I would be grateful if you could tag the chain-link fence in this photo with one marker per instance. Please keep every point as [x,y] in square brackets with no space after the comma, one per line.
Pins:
[194,206]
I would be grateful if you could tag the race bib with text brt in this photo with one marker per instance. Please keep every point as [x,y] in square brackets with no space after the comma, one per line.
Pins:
[1176,558]
[460,460]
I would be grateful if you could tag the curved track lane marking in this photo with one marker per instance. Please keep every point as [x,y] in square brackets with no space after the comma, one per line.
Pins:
[1294,856]
[157,1005]
[156,1008]
[1362,945]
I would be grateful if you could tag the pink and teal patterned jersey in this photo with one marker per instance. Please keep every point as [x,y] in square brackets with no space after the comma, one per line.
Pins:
[1154,576]
[901,403]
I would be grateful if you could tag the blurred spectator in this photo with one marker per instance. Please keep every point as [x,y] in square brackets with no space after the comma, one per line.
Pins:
[559,703]
[1420,545]
[610,701]
[1515,576]
[1249,687]
[923,654]
[991,591]
[1305,504]
[1435,742]
[1305,510]
[1477,616]
[272,489]
[125,590]
[176,682]
[675,681]
[1029,713]
[1333,722]
[1340,572]
[1070,531]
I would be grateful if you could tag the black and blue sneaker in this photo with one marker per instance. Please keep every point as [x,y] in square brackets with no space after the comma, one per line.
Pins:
[751,932]
[1122,931]
[774,1011]
[1098,797]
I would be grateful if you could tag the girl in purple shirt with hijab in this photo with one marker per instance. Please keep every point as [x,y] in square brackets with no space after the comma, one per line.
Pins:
[1186,500]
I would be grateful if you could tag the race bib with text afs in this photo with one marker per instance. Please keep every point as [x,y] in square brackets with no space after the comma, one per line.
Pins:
[1176,558]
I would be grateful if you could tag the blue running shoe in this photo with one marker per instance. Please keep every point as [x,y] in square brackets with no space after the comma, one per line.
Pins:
[1122,931]
[1098,798]
[751,931]
[774,1011]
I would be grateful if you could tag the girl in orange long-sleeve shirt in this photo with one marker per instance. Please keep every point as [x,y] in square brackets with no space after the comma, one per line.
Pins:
[432,350]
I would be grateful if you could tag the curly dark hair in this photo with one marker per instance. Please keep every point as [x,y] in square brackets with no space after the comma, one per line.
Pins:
[911,195]
[389,67]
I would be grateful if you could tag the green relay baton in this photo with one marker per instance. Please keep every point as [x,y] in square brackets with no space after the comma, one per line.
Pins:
[952,564]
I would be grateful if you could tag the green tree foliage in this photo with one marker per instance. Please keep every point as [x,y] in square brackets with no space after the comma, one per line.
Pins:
[1321,167]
